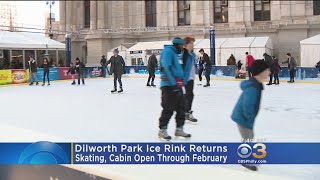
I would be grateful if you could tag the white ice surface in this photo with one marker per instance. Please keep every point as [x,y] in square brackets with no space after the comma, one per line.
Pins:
[90,113]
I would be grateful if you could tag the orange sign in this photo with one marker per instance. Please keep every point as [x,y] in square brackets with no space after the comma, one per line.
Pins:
[19,76]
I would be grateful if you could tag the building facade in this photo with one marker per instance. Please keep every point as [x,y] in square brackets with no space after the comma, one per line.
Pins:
[8,15]
[285,22]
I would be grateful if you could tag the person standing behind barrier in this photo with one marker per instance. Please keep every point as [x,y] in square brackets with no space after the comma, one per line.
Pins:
[103,62]
[277,69]
[208,66]
[200,69]
[117,69]
[292,65]
[46,69]
[152,65]
[80,68]
[32,66]
[249,63]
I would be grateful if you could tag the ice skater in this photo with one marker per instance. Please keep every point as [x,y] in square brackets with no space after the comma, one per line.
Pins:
[208,66]
[171,85]
[103,63]
[292,65]
[269,60]
[249,62]
[32,66]
[80,69]
[117,69]
[200,69]
[277,69]
[72,71]
[152,65]
[247,107]
[46,69]
[190,72]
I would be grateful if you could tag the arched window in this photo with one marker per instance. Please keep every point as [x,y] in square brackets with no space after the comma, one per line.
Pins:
[87,13]
[151,13]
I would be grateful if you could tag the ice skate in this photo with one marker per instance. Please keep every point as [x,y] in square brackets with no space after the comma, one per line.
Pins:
[148,85]
[73,83]
[152,85]
[114,90]
[190,117]
[43,84]
[48,84]
[251,168]
[180,133]
[163,134]
[120,91]
[207,85]
[31,84]
[37,83]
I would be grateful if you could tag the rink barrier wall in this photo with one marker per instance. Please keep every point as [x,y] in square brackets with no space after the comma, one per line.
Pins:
[18,76]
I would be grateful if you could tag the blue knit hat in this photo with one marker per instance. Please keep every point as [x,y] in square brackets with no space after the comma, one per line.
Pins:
[178,40]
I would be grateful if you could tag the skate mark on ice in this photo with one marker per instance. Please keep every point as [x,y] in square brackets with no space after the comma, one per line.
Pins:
[272,109]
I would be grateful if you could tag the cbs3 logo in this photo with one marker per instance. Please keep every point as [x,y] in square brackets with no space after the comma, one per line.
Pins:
[245,150]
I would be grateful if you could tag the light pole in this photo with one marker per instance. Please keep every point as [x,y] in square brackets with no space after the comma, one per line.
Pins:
[50,4]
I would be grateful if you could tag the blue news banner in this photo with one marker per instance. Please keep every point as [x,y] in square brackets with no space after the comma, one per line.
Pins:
[159,153]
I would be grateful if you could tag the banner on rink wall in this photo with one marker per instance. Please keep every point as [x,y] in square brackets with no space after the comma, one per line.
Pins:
[63,73]
[159,153]
[53,74]
[5,77]
[19,76]
[92,72]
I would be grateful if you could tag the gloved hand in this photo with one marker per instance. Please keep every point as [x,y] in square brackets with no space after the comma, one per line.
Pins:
[179,82]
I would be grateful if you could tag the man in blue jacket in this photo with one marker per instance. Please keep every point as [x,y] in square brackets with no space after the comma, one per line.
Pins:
[248,105]
[172,99]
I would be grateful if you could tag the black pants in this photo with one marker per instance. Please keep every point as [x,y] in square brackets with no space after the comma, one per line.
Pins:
[271,77]
[292,74]
[200,71]
[208,72]
[276,78]
[81,74]
[249,71]
[46,73]
[115,78]
[189,95]
[172,99]
[151,77]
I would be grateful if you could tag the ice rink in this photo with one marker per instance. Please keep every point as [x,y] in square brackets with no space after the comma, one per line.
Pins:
[90,113]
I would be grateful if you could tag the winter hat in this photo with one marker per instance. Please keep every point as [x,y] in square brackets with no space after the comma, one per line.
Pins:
[116,50]
[178,40]
[258,67]
[201,50]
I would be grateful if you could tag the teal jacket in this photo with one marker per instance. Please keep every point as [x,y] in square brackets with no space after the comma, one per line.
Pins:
[248,105]
[170,66]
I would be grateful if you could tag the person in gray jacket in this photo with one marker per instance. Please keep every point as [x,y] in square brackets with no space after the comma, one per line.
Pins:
[292,65]
[117,69]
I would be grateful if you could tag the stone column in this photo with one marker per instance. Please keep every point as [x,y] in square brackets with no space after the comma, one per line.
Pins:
[93,15]
[68,15]
[101,9]
[62,10]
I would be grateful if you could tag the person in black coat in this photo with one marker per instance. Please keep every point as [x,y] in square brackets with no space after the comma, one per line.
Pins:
[80,69]
[208,66]
[152,65]
[117,69]
[103,63]
[46,69]
[72,70]
[200,69]
[318,66]
[32,66]
[276,70]
[269,60]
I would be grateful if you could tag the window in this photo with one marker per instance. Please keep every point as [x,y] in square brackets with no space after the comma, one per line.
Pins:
[134,62]
[151,13]
[87,14]
[261,10]
[221,11]
[316,7]
[183,12]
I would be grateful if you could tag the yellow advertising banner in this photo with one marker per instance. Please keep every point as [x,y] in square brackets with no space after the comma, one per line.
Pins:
[19,76]
[5,77]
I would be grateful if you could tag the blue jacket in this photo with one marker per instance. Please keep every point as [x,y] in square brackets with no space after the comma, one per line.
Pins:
[187,69]
[248,104]
[170,66]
